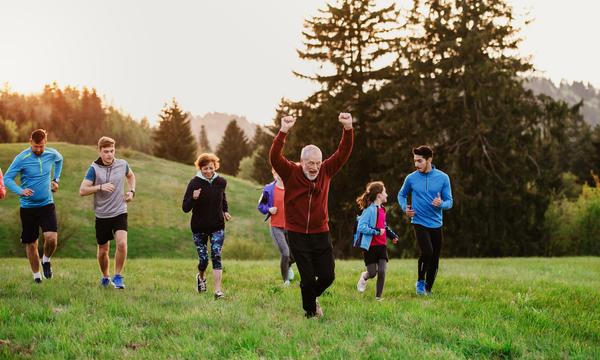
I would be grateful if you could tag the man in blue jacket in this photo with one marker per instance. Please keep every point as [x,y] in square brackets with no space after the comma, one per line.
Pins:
[34,165]
[431,195]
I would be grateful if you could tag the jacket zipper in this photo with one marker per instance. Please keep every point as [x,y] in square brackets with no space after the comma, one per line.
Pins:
[40,161]
[309,202]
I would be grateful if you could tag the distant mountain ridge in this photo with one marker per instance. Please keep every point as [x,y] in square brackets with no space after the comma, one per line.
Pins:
[571,94]
[215,124]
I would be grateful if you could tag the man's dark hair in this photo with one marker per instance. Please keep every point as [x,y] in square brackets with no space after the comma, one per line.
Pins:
[38,135]
[423,150]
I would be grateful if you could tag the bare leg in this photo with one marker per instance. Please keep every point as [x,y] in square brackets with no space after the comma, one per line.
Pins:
[121,252]
[103,258]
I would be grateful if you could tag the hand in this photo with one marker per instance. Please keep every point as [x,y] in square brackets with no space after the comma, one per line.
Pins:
[395,241]
[27,192]
[54,186]
[287,122]
[410,211]
[346,120]
[381,232]
[128,196]
[227,216]
[108,187]
[437,201]
[196,193]
[273,210]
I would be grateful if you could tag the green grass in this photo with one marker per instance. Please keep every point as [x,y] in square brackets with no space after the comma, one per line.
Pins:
[157,225]
[485,308]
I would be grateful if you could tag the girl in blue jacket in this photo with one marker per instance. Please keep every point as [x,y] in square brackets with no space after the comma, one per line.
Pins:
[371,236]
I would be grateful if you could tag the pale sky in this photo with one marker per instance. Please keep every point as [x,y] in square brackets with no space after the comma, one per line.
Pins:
[227,56]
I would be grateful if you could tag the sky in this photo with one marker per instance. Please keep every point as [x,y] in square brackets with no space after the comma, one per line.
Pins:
[226,56]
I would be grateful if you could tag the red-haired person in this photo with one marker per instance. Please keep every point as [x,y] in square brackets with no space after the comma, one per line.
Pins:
[205,198]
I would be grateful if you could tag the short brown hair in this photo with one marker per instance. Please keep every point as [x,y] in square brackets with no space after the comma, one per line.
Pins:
[206,158]
[105,141]
[37,136]
[423,150]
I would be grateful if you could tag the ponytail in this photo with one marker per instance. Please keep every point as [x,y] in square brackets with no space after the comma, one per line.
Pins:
[366,198]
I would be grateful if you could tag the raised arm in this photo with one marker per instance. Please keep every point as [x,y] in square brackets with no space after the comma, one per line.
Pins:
[335,162]
[282,165]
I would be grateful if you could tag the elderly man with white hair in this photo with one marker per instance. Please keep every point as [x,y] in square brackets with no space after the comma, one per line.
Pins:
[306,216]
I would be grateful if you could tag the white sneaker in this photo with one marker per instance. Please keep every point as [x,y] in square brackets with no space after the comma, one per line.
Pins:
[290,274]
[361,286]
[379,299]
[286,283]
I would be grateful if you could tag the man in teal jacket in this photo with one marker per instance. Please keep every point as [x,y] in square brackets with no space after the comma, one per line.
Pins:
[34,165]
[431,195]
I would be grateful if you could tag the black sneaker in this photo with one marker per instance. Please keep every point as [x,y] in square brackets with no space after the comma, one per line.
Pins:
[200,283]
[37,280]
[47,270]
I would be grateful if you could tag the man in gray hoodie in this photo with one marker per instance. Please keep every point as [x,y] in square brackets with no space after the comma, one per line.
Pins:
[105,179]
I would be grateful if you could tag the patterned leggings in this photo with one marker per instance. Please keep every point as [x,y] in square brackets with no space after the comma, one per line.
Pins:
[216,244]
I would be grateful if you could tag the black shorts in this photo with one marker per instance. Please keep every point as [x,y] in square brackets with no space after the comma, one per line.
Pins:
[34,218]
[106,228]
[375,253]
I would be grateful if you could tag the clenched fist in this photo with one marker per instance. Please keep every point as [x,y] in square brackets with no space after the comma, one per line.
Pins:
[287,122]
[346,120]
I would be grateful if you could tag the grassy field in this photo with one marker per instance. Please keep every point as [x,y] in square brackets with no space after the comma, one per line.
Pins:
[486,308]
[157,225]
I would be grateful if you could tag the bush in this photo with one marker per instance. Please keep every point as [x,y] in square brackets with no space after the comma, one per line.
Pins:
[573,227]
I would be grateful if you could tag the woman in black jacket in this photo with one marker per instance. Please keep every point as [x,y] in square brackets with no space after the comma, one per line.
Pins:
[205,197]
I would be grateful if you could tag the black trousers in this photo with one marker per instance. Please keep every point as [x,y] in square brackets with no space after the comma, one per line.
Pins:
[314,258]
[430,244]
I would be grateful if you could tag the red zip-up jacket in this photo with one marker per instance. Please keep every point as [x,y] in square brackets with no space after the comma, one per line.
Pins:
[305,200]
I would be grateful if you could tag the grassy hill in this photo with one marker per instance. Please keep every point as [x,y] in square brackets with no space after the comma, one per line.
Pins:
[157,225]
[481,309]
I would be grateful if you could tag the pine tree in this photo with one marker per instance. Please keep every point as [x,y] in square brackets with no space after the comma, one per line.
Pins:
[350,38]
[261,144]
[232,148]
[459,89]
[203,143]
[174,139]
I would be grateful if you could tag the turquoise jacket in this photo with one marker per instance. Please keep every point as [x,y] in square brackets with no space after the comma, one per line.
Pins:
[35,174]
[424,188]
[365,230]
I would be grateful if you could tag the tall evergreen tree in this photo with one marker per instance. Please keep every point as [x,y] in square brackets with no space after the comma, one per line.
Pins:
[261,144]
[203,143]
[233,148]
[174,139]
[459,89]
[349,38]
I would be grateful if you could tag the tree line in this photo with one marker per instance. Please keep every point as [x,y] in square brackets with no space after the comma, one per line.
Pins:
[442,73]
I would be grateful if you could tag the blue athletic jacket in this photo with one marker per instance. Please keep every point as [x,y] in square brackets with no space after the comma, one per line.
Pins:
[266,200]
[35,174]
[366,229]
[425,188]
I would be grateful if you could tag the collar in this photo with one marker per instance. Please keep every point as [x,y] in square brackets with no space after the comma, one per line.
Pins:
[99,162]
[210,181]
